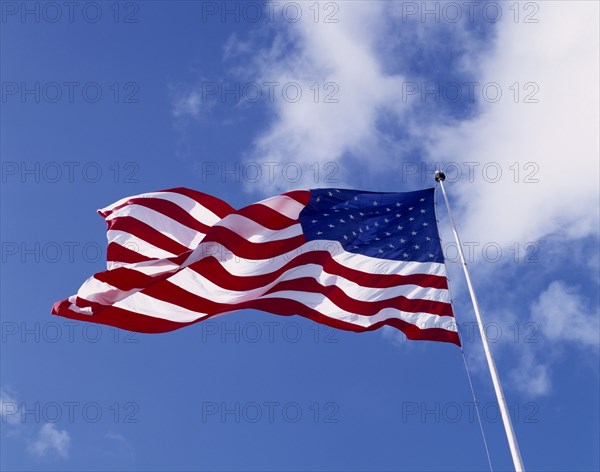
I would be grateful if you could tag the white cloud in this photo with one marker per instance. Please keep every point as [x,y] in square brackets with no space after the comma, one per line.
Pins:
[119,447]
[562,315]
[367,54]
[351,74]
[338,58]
[187,104]
[560,318]
[51,440]
[559,134]
[9,409]
[530,375]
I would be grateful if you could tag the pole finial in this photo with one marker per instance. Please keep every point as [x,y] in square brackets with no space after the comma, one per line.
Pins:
[439,176]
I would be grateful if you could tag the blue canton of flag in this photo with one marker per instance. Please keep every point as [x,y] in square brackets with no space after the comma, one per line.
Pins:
[397,226]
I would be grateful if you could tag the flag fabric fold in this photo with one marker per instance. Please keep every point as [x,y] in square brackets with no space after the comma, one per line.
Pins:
[350,259]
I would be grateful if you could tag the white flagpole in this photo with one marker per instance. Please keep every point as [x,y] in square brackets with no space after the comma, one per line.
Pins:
[510,434]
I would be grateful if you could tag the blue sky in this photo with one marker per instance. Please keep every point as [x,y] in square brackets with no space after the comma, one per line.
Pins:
[243,101]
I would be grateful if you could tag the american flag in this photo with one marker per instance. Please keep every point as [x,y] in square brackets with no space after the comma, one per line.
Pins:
[350,259]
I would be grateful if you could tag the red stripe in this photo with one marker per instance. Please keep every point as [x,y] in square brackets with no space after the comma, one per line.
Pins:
[361,307]
[166,208]
[126,279]
[287,307]
[266,217]
[147,233]
[137,322]
[216,205]
[248,250]
[169,292]
[301,196]
[117,253]
[212,269]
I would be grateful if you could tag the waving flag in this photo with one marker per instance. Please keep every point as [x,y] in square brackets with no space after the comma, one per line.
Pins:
[349,259]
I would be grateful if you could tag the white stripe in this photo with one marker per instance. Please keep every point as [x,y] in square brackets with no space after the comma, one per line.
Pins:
[133,243]
[198,211]
[149,306]
[255,232]
[151,268]
[375,265]
[199,285]
[162,223]
[285,205]
[84,310]
[324,305]
[94,290]
[189,280]
[244,267]
[240,266]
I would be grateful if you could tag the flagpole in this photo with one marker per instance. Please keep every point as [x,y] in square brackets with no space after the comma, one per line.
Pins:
[510,433]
